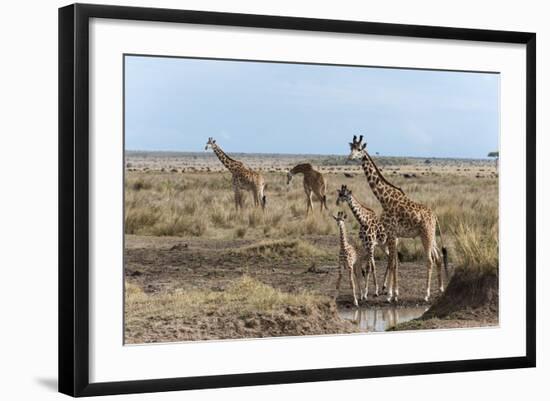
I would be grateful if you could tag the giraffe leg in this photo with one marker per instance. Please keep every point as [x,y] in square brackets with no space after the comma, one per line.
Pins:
[309,202]
[262,198]
[396,274]
[437,258]
[339,279]
[392,257]
[370,256]
[238,198]
[321,200]
[367,276]
[373,267]
[352,282]
[429,263]
[242,200]
[255,196]
[385,284]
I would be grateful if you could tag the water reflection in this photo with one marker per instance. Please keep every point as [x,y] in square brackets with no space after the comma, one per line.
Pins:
[381,319]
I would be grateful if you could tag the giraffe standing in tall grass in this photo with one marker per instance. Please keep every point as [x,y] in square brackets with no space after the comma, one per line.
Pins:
[314,183]
[348,256]
[403,218]
[243,178]
[371,233]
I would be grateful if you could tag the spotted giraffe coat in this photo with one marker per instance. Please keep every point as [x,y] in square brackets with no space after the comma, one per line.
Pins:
[243,178]
[371,233]
[347,256]
[401,217]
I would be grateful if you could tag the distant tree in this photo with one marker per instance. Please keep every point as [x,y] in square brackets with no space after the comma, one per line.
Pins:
[496,156]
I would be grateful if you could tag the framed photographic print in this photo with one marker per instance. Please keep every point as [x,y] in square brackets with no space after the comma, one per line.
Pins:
[251,199]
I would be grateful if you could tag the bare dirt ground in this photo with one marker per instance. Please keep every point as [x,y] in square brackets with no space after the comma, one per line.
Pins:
[166,265]
[159,264]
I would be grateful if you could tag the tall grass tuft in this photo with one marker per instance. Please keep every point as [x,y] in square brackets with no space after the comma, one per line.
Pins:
[476,247]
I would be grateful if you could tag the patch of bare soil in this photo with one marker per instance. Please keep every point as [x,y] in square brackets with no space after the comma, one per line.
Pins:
[165,265]
[291,321]
[169,263]
[470,300]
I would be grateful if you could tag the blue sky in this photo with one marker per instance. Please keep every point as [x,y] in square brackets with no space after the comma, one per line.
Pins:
[176,104]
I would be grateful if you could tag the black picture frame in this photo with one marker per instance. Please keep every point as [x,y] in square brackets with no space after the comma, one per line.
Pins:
[74,198]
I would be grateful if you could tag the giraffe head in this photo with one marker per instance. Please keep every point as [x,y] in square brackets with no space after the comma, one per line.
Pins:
[357,148]
[344,194]
[289,176]
[210,144]
[340,217]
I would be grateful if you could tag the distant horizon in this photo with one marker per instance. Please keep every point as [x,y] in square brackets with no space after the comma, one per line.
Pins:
[175,104]
[302,154]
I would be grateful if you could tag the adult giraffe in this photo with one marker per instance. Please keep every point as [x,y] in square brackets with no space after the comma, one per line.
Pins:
[243,178]
[402,218]
[314,183]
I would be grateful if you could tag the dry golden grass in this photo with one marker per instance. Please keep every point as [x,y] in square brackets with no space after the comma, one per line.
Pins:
[476,247]
[246,308]
[245,296]
[200,204]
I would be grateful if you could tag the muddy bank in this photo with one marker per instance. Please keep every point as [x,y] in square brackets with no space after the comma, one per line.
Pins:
[292,321]
[246,309]
[470,300]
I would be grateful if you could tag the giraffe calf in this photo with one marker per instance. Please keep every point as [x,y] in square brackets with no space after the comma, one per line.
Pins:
[348,256]
[371,233]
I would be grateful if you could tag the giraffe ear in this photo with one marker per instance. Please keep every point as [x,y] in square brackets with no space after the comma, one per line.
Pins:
[213,141]
[364,146]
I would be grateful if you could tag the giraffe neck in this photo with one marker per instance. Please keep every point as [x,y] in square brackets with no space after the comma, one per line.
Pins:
[385,192]
[228,162]
[355,207]
[301,168]
[343,239]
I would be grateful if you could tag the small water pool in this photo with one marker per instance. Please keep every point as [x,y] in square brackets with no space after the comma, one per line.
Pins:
[380,318]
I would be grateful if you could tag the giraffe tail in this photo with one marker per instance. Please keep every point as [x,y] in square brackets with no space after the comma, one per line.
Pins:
[325,202]
[444,251]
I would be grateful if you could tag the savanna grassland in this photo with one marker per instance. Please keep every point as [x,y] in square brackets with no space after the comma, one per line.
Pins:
[196,268]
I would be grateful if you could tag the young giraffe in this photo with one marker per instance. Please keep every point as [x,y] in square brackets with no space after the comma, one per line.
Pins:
[401,217]
[243,177]
[348,256]
[371,233]
[314,183]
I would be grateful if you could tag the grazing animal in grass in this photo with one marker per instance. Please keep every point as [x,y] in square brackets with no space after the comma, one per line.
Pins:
[348,256]
[243,178]
[402,218]
[314,183]
[371,233]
